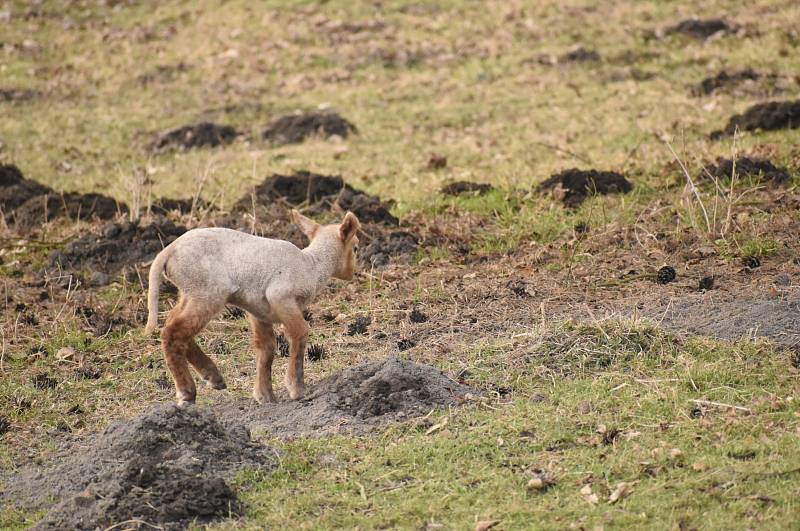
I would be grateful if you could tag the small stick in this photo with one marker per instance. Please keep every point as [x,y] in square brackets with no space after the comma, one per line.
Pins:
[719,404]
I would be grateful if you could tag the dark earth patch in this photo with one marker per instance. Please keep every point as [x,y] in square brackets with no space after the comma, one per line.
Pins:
[725,82]
[573,186]
[380,251]
[167,466]
[26,203]
[322,192]
[295,128]
[117,245]
[327,198]
[16,95]
[769,116]
[204,134]
[466,187]
[580,55]
[101,323]
[701,28]
[761,169]
[354,400]
[732,318]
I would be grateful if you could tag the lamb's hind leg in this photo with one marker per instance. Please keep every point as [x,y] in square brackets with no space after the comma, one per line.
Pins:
[204,365]
[296,329]
[183,323]
[264,346]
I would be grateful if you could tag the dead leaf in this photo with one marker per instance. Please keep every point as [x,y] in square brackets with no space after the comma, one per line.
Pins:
[484,525]
[622,490]
[699,467]
[588,496]
[437,427]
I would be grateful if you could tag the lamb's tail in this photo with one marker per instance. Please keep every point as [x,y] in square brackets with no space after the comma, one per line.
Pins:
[154,286]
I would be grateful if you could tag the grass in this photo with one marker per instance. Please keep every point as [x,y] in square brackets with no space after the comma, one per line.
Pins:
[465,80]
[630,420]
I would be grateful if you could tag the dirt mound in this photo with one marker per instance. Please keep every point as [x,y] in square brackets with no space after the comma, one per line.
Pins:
[579,55]
[322,192]
[116,246]
[325,198]
[725,82]
[295,128]
[761,169]
[768,116]
[204,134]
[732,318]
[354,400]
[466,187]
[167,466]
[701,28]
[383,247]
[27,203]
[573,186]
[15,189]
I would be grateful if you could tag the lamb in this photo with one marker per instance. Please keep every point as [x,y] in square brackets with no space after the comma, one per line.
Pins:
[273,281]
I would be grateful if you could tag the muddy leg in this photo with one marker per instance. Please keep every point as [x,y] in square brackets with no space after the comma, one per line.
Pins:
[296,330]
[183,323]
[204,366]
[264,346]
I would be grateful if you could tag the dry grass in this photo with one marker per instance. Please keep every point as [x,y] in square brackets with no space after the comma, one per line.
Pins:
[497,275]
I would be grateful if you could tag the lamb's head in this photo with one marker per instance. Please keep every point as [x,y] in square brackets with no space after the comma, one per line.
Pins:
[340,240]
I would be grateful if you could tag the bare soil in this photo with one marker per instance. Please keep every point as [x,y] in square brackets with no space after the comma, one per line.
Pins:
[204,134]
[326,197]
[167,466]
[115,246]
[466,187]
[760,169]
[353,400]
[295,128]
[26,203]
[573,186]
[701,28]
[723,316]
[767,116]
[725,82]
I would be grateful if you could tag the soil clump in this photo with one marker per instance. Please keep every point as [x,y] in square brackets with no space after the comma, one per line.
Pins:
[167,466]
[701,28]
[116,246]
[769,116]
[294,128]
[354,400]
[26,203]
[204,134]
[466,187]
[326,198]
[573,186]
[763,170]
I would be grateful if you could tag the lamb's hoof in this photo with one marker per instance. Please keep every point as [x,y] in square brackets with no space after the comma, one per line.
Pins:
[262,399]
[218,385]
[184,402]
[296,391]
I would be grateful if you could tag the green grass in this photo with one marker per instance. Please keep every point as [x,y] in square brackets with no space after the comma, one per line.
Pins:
[628,419]
[463,80]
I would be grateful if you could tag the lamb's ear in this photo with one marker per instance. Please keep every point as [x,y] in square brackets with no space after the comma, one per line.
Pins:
[309,227]
[349,226]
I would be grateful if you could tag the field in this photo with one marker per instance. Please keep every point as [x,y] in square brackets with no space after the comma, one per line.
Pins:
[577,349]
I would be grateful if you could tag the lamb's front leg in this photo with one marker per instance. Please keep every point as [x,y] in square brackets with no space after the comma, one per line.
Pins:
[296,330]
[264,345]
